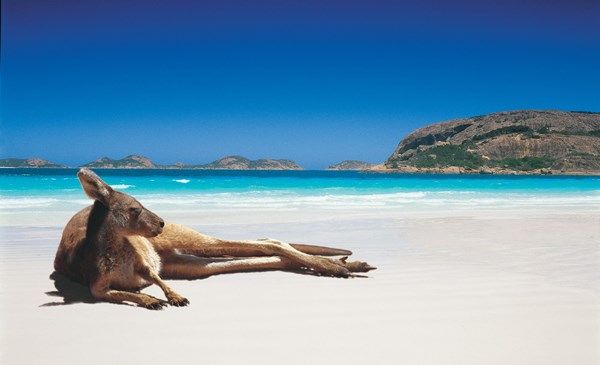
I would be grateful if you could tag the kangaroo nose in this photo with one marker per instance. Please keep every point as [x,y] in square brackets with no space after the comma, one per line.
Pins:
[161,223]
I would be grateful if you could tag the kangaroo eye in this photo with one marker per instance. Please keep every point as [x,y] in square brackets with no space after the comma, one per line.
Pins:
[135,211]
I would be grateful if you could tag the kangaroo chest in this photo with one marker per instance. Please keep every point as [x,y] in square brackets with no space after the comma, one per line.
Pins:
[123,263]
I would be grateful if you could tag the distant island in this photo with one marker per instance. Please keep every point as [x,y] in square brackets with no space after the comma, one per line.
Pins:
[242,163]
[129,162]
[225,163]
[524,141]
[28,163]
[351,165]
[142,162]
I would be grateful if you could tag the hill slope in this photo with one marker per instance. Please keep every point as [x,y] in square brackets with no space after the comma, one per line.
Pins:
[508,142]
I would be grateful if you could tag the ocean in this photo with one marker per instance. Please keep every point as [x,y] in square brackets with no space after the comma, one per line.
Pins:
[37,192]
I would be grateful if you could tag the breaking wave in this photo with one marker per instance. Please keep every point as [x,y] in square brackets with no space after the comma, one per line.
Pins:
[122,186]
[26,202]
[315,198]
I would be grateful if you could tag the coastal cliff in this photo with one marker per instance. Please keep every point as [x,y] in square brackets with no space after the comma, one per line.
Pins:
[525,141]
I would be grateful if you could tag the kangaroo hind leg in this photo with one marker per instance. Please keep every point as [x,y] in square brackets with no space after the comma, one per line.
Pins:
[183,266]
[185,239]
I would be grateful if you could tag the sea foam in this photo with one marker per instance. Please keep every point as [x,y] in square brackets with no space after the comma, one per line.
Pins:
[122,186]
[26,202]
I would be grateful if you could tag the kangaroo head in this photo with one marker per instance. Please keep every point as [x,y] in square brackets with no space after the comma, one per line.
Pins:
[124,214]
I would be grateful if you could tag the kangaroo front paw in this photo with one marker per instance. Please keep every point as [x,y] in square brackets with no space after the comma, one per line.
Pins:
[177,300]
[153,304]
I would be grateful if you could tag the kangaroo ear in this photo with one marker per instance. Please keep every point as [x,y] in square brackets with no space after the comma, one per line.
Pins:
[94,187]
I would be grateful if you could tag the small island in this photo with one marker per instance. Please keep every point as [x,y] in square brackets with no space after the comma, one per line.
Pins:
[128,162]
[242,163]
[33,162]
[351,165]
[142,162]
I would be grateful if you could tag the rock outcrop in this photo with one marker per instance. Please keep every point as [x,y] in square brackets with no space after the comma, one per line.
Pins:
[526,141]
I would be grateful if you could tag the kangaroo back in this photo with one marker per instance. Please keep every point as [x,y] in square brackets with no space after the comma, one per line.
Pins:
[75,256]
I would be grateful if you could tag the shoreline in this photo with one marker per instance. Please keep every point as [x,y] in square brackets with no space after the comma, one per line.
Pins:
[409,171]
[454,170]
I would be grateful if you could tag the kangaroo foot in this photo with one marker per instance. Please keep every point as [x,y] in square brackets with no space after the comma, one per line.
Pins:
[342,267]
[153,303]
[177,300]
[320,265]
[328,267]
[356,266]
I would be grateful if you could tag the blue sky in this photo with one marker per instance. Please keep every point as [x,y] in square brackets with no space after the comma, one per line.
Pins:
[317,82]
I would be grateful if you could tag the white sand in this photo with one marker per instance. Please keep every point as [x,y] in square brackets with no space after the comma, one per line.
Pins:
[508,287]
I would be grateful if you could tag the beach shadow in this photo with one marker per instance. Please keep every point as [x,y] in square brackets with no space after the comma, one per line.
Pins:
[71,292]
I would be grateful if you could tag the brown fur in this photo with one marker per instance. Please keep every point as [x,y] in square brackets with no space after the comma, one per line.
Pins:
[117,247]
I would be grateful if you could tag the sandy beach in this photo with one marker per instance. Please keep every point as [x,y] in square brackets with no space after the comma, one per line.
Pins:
[452,287]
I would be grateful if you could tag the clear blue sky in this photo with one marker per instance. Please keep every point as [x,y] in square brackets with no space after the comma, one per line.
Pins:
[313,81]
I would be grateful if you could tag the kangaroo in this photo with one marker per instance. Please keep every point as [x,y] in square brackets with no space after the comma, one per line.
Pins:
[117,247]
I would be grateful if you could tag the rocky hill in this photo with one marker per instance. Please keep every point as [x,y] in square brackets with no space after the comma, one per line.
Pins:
[351,165]
[525,141]
[242,163]
[129,162]
[28,163]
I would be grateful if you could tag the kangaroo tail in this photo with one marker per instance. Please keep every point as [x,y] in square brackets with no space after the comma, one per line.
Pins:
[320,250]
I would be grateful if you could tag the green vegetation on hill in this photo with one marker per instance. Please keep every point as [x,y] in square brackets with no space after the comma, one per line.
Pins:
[525,163]
[461,156]
[447,155]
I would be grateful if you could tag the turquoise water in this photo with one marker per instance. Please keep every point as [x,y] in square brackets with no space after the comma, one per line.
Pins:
[58,189]
[62,181]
